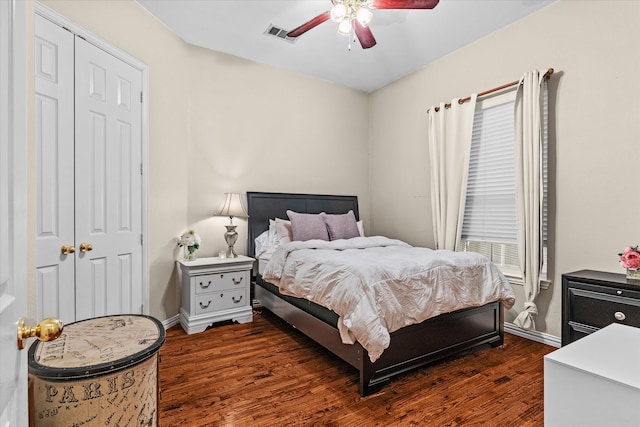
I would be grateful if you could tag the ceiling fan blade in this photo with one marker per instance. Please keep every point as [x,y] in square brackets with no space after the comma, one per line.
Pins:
[364,35]
[405,4]
[309,25]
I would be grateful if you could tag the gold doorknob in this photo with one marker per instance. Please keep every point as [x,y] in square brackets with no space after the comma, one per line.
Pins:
[86,247]
[47,330]
[67,249]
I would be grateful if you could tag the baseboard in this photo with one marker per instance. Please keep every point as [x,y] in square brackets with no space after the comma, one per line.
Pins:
[170,322]
[540,337]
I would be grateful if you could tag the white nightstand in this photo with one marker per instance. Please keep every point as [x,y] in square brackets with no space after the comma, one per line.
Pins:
[214,290]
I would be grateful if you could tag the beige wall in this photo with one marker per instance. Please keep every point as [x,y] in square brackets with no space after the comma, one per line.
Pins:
[593,46]
[217,124]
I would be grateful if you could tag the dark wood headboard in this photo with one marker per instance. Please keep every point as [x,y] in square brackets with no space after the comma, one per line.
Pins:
[265,206]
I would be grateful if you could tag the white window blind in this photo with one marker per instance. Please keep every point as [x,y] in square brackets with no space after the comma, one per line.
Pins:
[490,224]
[490,207]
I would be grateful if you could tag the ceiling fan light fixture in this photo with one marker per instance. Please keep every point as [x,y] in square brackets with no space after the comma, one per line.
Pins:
[364,15]
[338,12]
[344,27]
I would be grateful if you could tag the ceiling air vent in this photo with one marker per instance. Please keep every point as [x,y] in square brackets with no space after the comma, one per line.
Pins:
[279,33]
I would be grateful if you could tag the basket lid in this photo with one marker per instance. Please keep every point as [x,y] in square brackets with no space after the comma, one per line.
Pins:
[97,346]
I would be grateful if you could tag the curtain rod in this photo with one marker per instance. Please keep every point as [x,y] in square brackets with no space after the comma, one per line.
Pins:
[547,75]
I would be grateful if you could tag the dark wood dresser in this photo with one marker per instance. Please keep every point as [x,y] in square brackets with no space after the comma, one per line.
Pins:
[594,299]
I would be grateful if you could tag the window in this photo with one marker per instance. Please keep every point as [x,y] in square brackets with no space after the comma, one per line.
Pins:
[490,224]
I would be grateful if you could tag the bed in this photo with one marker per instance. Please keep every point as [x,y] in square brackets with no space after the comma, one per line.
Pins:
[448,334]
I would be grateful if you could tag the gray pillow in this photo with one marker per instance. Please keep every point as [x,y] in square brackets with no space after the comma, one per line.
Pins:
[307,226]
[341,226]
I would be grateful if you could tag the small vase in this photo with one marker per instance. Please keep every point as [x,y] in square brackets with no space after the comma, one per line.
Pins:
[189,254]
[633,274]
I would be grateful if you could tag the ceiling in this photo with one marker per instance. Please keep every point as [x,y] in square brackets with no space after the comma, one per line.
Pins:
[407,39]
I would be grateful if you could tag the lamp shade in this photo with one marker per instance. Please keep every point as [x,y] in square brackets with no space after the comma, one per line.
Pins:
[232,206]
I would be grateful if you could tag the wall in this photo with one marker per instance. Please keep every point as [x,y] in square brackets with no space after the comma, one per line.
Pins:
[218,124]
[595,148]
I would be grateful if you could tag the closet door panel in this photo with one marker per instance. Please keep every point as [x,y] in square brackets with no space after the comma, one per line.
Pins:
[108,183]
[54,137]
[94,183]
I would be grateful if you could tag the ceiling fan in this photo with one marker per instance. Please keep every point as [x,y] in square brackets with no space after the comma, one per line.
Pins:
[355,16]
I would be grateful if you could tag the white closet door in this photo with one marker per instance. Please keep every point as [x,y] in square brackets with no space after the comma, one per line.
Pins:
[54,88]
[108,183]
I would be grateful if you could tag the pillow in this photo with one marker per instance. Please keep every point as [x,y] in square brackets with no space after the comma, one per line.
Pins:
[262,243]
[341,226]
[360,228]
[307,226]
[274,238]
[283,228]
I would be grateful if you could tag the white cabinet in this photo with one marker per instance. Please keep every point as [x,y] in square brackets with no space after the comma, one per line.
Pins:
[214,290]
[595,381]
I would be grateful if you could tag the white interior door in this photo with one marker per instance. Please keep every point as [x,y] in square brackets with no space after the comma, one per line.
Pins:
[54,86]
[108,184]
[89,194]
[13,212]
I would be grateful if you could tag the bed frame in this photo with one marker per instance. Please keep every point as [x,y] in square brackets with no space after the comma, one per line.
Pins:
[413,346]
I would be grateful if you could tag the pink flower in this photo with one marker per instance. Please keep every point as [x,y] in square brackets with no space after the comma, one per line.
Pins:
[626,249]
[630,259]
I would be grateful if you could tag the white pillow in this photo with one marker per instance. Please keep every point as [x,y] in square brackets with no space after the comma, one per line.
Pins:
[274,238]
[262,243]
[360,228]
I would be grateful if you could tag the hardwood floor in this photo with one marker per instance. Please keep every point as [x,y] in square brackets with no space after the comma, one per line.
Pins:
[266,373]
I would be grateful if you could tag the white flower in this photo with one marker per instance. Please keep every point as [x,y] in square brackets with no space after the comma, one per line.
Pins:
[189,239]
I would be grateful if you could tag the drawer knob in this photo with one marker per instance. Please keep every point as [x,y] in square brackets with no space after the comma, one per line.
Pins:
[238,300]
[205,306]
[619,292]
[203,286]
[619,315]
[237,282]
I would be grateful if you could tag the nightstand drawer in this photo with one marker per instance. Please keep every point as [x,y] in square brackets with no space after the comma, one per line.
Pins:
[220,281]
[599,309]
[222,300]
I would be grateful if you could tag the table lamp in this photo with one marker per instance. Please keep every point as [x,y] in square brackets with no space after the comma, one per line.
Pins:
[231,206]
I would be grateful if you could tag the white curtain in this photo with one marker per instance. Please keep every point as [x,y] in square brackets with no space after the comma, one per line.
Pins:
[530,190]
[450,132]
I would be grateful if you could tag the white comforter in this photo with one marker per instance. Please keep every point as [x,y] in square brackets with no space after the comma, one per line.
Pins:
[378,285]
